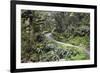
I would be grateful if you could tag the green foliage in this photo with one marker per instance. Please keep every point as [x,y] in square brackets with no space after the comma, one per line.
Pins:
[80,41]
[76,54]
[53,36]
[81,56]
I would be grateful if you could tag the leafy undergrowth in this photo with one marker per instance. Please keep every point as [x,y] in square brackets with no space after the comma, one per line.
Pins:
[52,51]
[80,41]
[77,54]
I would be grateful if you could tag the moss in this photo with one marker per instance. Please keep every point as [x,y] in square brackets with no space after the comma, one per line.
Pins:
[80,41]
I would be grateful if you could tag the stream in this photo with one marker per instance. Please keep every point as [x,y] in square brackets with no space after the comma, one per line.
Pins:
[49,36]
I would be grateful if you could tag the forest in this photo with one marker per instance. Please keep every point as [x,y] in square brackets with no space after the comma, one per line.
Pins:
[54,36]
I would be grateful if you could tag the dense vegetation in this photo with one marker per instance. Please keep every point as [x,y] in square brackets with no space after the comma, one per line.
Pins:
[54,36]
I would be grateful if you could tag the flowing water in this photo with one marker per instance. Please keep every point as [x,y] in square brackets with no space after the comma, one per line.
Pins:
[49,37]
